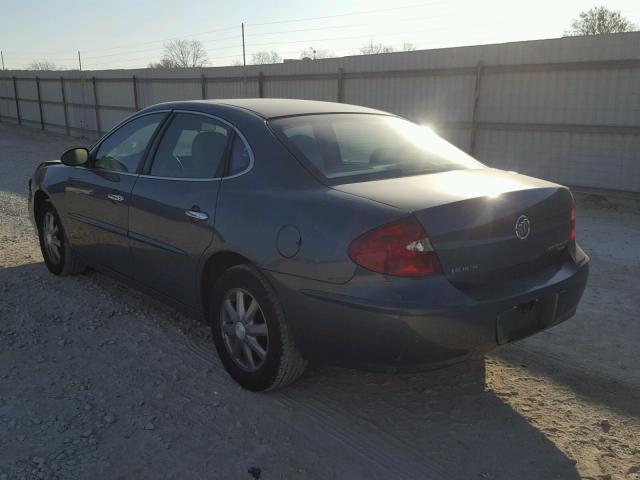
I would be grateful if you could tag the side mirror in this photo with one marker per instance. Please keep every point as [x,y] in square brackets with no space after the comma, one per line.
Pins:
[75,156]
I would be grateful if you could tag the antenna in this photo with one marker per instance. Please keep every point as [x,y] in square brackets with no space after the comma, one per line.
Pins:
[244,63]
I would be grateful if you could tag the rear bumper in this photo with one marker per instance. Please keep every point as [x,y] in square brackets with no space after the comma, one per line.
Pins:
[382,332]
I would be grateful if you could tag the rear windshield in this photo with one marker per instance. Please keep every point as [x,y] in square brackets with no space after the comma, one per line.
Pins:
[346,148]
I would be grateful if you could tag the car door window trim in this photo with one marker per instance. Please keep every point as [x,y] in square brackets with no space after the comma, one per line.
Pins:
[96,147]
[235,131]
[153,145]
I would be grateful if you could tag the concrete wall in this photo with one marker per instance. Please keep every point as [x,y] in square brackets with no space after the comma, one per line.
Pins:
[567,109]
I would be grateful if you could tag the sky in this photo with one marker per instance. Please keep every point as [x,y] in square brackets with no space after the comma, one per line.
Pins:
[129,34]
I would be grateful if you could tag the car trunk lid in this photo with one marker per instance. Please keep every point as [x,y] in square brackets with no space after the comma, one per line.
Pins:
[472,218]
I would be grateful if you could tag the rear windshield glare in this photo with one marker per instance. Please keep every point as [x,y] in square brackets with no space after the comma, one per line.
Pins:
[346,148]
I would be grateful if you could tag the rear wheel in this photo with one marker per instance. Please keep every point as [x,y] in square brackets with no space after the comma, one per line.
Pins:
[56,250]
[252,337]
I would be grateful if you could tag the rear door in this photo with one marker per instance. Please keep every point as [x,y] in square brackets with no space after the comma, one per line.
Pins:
[173,205]
[97,196]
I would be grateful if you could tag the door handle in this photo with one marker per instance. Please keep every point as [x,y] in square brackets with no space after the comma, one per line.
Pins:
[196,215]
[115,197]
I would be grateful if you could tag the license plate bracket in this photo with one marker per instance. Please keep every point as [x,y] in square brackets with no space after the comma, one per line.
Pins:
[519,321]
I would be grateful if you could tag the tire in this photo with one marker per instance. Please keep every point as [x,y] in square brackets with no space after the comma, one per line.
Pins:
[281,364]
[54,244]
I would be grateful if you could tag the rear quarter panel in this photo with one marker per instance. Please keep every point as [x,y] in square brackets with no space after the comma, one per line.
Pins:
[261,210]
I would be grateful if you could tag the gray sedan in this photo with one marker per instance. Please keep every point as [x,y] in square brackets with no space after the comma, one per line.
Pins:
[305,230]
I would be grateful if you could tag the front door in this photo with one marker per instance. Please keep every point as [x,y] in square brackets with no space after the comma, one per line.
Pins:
[171,219]
[97,196]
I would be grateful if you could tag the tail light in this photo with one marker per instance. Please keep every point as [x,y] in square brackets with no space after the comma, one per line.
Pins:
[400,248]
[572,232]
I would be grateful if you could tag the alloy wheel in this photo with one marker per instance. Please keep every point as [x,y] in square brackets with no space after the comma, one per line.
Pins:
[244,329]
[51,237]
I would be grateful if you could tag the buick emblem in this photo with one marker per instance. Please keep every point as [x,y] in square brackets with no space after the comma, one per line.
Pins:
[523,227]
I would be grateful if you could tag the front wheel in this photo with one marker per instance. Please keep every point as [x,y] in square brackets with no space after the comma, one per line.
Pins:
[252,337]
[56,250]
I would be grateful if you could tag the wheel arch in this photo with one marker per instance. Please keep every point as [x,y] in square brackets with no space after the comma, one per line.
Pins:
[39,199]
[213,267]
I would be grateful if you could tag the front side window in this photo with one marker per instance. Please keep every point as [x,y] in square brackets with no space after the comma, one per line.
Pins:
[122,151]
[193,146]
[344,148]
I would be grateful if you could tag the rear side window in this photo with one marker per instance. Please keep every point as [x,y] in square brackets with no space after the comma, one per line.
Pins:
[122,151]
[193,146]
[240,158]
[344,148]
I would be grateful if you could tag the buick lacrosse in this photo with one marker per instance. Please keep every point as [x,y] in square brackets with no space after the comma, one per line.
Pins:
[304,230]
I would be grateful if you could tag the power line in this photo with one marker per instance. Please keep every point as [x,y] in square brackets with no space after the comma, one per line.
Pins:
[404,32]
[164,40]
[225,47]
[353,51]
[254,50]
[60,57]
[157,49]
[69,58]
[305,30]
[161,48]
[33,55]
[362,12]
[146,58]
[96,60]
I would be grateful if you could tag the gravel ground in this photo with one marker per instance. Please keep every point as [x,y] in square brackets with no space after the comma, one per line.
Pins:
[98,381]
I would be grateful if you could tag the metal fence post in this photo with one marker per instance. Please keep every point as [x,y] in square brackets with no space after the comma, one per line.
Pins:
[134,85]
[95,105]
[476,114]
[15,94]
[260,85]
[64,106]
[340,86]
[39,102]
[203,86]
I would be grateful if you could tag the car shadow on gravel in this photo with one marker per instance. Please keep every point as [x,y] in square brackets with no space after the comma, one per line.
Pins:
[617,395]
[443,423]
[333,423]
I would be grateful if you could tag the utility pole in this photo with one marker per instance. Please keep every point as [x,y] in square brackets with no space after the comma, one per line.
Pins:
[84,101]
[2,56]
[244,63]
[244,58]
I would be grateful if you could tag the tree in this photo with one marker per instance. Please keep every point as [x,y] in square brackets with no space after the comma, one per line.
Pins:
[315,54]
[182,54]
[261,58]
[373,48]
[163,63]
[42,65]
[600,20]
[408,47]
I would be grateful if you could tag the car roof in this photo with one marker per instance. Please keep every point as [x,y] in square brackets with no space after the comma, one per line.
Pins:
[271,107]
